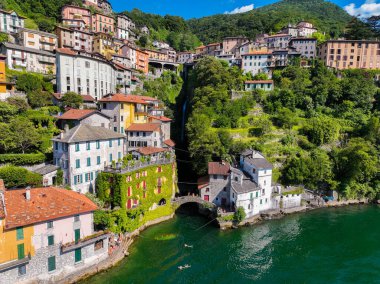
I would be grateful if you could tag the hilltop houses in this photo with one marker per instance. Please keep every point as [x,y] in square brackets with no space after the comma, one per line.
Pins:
[47,232]
[10,22]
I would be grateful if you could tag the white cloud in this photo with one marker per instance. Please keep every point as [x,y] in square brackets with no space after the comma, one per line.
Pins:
[368,9]
[242,9]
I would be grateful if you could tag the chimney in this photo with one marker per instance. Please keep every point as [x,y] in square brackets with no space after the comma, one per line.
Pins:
[27,193]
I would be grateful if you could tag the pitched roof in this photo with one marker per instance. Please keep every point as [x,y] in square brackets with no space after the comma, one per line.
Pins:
[246,185]
[161,118]
[150,150]
[67,51]
[203,182]
[45,204]
[257,159]
[259,82]
[147,127]
[122,98]
[88,98]
[78,114]
[85,132]
[259,52]
[218,168]
[47,169]
[169,143]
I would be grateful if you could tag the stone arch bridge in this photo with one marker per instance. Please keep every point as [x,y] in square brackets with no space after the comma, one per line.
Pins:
[192,199]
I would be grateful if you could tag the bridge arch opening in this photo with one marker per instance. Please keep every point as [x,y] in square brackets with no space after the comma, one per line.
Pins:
[162,202]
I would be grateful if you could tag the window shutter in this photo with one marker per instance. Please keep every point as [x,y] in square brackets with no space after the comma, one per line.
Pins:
[20,251]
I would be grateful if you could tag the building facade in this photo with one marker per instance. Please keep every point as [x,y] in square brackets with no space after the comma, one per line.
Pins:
[84,151]
[350,54]
[265,85]
[77,13]
[185,57]
[278,41]
[102,23]
[84,73]
[75,39]
[307,47]
[257,62]
[10,21]
[37,40]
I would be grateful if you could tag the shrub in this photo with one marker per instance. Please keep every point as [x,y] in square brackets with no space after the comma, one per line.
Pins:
[239,215]
[19,177]
[22,159]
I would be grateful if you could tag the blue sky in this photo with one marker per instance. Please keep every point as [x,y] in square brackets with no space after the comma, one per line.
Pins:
[199,8]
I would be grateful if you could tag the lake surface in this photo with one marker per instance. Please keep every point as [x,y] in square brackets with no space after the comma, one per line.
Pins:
[325,246]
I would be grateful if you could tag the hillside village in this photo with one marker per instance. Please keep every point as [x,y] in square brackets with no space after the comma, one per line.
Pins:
[96,158]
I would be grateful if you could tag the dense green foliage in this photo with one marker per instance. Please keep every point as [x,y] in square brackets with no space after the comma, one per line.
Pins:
[239,215]
[22,159]
[19,177]
[72,99]
[112,189]
[320,130]
[171,29]
[326,16]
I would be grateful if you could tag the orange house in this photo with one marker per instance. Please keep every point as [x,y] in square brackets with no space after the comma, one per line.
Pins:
[142,61]
[4,85]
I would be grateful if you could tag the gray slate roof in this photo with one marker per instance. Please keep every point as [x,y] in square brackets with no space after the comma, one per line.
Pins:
[257,159]
[248,185]
[85,132]
[28,49]
[47,169]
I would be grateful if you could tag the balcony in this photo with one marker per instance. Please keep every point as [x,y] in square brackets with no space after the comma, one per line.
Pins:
[46,59]
[46,41]
[84,242]
[14,263]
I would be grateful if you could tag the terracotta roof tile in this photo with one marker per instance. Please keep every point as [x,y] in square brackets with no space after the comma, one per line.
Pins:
[218,168]
[259,52]
[161,118]
[169,142]
[122,98]
[203,182]
[67,51]
[74,114]
[88,98]
[45,204]
[148,127]
[150,150]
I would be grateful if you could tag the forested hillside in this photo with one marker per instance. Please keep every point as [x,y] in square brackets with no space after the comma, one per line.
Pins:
[326,16]
[171,29]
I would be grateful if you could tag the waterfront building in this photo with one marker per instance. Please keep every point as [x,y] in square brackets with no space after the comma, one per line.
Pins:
[265,85]
[71,12]
[37,39]
[74,117]
[102,23]
[350,54]
[84,73]
[307,47]
[83,151]
[47,234]
[10,21]
[29,59]
[76,39]
[257,62]
[144,135]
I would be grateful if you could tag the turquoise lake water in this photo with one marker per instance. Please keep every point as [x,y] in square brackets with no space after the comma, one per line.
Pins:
[339,245]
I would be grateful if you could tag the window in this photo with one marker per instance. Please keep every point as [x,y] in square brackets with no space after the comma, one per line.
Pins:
[51,263]
[110,158]
[110,142]
[121,129]
[119,155]
[78,254]
[257,194]
[22,270]
[115,130]
[215,176]
[236,179]
[88,145]
[50,240]
[20,251]
[76,218]
[49,224]
[77,235]
[19,233]
[121,118]
[56,145]
[118,142]
[76,147]
[88,162]
[98,160]
[77,163]
[261,201]
[97,144]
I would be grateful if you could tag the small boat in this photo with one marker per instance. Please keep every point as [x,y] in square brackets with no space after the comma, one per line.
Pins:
[184,267]
[188,246]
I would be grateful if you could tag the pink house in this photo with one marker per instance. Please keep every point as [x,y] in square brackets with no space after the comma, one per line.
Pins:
[77,13]
[102,23]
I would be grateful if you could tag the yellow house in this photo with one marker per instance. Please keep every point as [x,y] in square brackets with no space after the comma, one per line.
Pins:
[124,110]
[15,242]
[104,45]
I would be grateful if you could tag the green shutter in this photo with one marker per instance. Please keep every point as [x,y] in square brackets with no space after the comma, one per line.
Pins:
[50,240]
[20,233]
[20,251]
[77,235]
[51,263]
[78,255]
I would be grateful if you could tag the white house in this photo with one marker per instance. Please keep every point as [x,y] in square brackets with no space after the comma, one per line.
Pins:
[144,135]
[305,29]
[84,73]
[278,41]
[185,57]
[10,21]
[307,47]
[30,59]
[266,85]
[257,62]
[83,151]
